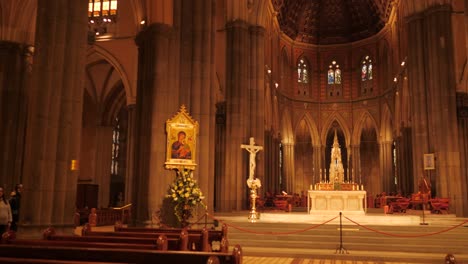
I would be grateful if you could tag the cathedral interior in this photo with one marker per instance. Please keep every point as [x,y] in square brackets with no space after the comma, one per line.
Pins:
[86,88]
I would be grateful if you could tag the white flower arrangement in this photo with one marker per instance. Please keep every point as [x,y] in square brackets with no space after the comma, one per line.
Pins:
[254,183]
[185,193]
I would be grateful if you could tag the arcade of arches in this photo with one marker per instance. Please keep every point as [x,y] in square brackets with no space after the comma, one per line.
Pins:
[389,77]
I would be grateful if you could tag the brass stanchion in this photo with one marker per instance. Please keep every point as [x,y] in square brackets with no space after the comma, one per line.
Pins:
[253,215]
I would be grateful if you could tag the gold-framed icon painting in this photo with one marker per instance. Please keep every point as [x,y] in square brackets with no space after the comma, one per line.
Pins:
[181,143]
[429,161]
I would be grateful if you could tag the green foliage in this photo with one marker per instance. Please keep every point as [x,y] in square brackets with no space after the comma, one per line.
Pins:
[185,195]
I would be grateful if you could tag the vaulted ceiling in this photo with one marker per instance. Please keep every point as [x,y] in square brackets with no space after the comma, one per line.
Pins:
[325,22]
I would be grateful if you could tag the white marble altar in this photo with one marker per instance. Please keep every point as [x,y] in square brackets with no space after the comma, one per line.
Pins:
[333,202]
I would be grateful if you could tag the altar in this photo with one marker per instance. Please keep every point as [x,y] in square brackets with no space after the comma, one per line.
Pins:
[334,202]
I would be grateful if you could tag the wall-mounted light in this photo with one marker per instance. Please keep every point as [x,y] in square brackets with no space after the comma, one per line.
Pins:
[100,14]
[395,79]
[403,63]
[143,22]
[276,85]
[269,71]
[74,165]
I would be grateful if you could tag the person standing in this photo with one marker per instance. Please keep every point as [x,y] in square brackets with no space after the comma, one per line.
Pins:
[15,204]
[5,213]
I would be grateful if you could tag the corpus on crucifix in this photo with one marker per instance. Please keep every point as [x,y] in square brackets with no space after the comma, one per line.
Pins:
[252,149]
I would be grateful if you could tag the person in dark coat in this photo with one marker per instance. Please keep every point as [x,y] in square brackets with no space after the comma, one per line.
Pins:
[15,204]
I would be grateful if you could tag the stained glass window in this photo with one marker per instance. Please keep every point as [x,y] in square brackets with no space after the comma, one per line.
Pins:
[366,76]
[366,69]
[302,72]
[334,80]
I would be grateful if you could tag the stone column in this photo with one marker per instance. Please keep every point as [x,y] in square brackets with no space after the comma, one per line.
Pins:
[234,188]
[418,100]
[257,95]
[434,97]
[54,113]
[288,167]
[156,102]
[462,106]
[356,154]
[317,163]
[102,163]
[386,167]
[129,170]
[441,86]
[199,74]
[15,71]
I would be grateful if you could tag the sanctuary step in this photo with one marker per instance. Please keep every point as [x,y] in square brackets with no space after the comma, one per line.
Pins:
[378,243]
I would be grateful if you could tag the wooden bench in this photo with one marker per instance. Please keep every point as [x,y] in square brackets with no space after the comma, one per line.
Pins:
[176,241]
[215,240]
[7,260]
[117,255]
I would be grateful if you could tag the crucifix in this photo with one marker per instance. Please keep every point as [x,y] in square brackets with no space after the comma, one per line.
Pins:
[252,149]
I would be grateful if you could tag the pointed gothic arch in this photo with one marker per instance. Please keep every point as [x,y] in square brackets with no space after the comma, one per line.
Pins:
[312,126]
[97,53]
[359,124]
[341,122]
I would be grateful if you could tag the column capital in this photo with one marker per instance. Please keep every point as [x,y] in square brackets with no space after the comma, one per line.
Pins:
[257,29]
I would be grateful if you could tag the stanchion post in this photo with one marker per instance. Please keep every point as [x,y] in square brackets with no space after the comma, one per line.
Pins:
[341,249]
[423,205]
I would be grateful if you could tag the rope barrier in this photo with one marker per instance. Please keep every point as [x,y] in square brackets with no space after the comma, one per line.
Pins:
[273,233]
[400,235]
[330,220]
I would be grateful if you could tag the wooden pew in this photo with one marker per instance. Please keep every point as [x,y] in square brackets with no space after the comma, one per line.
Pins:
[197,241]
[216,238]
[7,260]
[158,241]
[118,255]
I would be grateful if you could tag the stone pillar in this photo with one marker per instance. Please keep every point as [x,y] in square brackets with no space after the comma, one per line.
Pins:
[220,152]
[130,168]
[356,154]
[386,167]
[54,113]
[288,167]
[102,163]
[156,102]
[234,187]
[15,70]
[405,161]
[317,164]
[434,100]
[418,100]
[462,105]
[199,74]
[257,95]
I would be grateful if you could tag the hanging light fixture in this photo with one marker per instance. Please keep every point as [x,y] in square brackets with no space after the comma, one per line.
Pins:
[101,13]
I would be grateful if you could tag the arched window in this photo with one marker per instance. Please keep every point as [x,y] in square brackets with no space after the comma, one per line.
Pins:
[334,77]
[115,147]
[366,76]
[302,71]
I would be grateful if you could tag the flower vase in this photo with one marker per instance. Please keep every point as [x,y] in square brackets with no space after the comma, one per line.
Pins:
[185,216]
